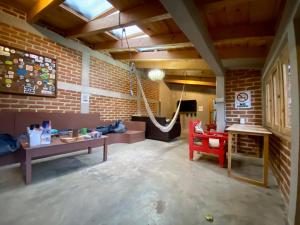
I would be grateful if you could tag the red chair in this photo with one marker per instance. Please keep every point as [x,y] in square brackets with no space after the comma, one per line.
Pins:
[204,143]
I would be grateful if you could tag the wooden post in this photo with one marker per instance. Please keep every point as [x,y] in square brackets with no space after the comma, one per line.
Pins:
[104,149]
[266,159]
[28,167]
[229,152]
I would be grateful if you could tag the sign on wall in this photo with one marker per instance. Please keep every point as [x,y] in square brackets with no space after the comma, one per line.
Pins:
[26,73]
[243,99]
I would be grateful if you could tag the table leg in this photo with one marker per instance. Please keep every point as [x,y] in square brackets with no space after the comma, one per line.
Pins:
[229,152]
[266,159]
[235,143]
[89,150]
[28,167]
[104,150]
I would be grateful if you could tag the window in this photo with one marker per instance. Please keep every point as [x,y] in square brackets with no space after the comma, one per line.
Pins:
[276,97]
[286,72]
[131,31]
[268,104]
[277,94]
[88,8]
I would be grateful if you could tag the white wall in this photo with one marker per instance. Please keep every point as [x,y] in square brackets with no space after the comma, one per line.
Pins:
[170,94]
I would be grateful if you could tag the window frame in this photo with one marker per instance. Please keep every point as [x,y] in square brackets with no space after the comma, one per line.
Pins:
[277,72]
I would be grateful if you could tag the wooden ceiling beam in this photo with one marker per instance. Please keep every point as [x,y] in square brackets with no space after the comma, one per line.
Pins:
[187,17]
[196,78]
[193,73]
[164,40]
[154,11]
[191,64]
[191,82]
[40,7]
[224,53]
[158,55]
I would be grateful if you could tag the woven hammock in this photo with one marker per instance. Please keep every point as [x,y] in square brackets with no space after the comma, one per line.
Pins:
[164,129]
[150,113]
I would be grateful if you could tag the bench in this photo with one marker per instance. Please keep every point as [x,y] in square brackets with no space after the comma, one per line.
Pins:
[15,123]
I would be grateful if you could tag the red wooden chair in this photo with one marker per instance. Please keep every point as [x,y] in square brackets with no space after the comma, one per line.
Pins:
[204,143]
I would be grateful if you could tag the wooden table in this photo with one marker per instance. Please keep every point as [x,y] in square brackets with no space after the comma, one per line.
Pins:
[57,148]
[254,130]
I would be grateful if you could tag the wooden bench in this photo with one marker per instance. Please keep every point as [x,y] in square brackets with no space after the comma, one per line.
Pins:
[15,123]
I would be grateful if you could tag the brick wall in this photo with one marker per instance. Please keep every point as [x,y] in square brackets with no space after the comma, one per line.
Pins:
[69,69]
[110,77]
[68,60]
[66,101]
[151,90]
[112,108]
[239,80]
[12,11]
[280,160]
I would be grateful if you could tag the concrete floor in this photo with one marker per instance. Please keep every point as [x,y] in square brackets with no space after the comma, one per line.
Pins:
[146,183]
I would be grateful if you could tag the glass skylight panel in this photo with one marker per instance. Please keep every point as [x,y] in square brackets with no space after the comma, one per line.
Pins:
[88,8]
[150,49]
[130,31]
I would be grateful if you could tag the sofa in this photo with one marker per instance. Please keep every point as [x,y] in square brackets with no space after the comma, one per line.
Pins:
[15,123]
[152,132]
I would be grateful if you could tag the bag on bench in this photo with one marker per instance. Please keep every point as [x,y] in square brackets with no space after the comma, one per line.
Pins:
[8,144]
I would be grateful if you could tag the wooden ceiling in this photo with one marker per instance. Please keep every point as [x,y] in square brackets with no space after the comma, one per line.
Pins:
[239,29]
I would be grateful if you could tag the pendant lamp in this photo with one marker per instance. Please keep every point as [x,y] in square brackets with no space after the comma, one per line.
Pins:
[156,74]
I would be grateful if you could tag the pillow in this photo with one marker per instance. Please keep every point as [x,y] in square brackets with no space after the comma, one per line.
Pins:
[214,143]
[198,128]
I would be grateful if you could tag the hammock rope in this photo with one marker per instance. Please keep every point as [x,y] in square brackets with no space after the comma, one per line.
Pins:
[148,109]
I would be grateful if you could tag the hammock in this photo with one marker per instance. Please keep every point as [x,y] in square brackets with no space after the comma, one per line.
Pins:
[164,129]
[152,117]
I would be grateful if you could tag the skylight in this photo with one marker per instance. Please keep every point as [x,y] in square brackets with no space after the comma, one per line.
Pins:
[130,32]
[89,8]
[150,49]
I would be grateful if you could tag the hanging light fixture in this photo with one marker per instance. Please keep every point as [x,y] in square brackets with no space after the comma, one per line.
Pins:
[156,74]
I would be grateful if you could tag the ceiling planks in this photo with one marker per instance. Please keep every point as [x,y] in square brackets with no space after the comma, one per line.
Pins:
[239,34]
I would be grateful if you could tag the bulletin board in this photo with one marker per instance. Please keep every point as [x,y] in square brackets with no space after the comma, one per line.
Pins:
[26,73]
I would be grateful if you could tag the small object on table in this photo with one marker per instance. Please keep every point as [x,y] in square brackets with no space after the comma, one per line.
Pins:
[84,131]
[71,139]
[95,134]
[75,133]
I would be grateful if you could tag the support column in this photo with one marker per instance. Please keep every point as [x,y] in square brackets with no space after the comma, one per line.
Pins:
[294,51]
[85,82]
[220,103]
